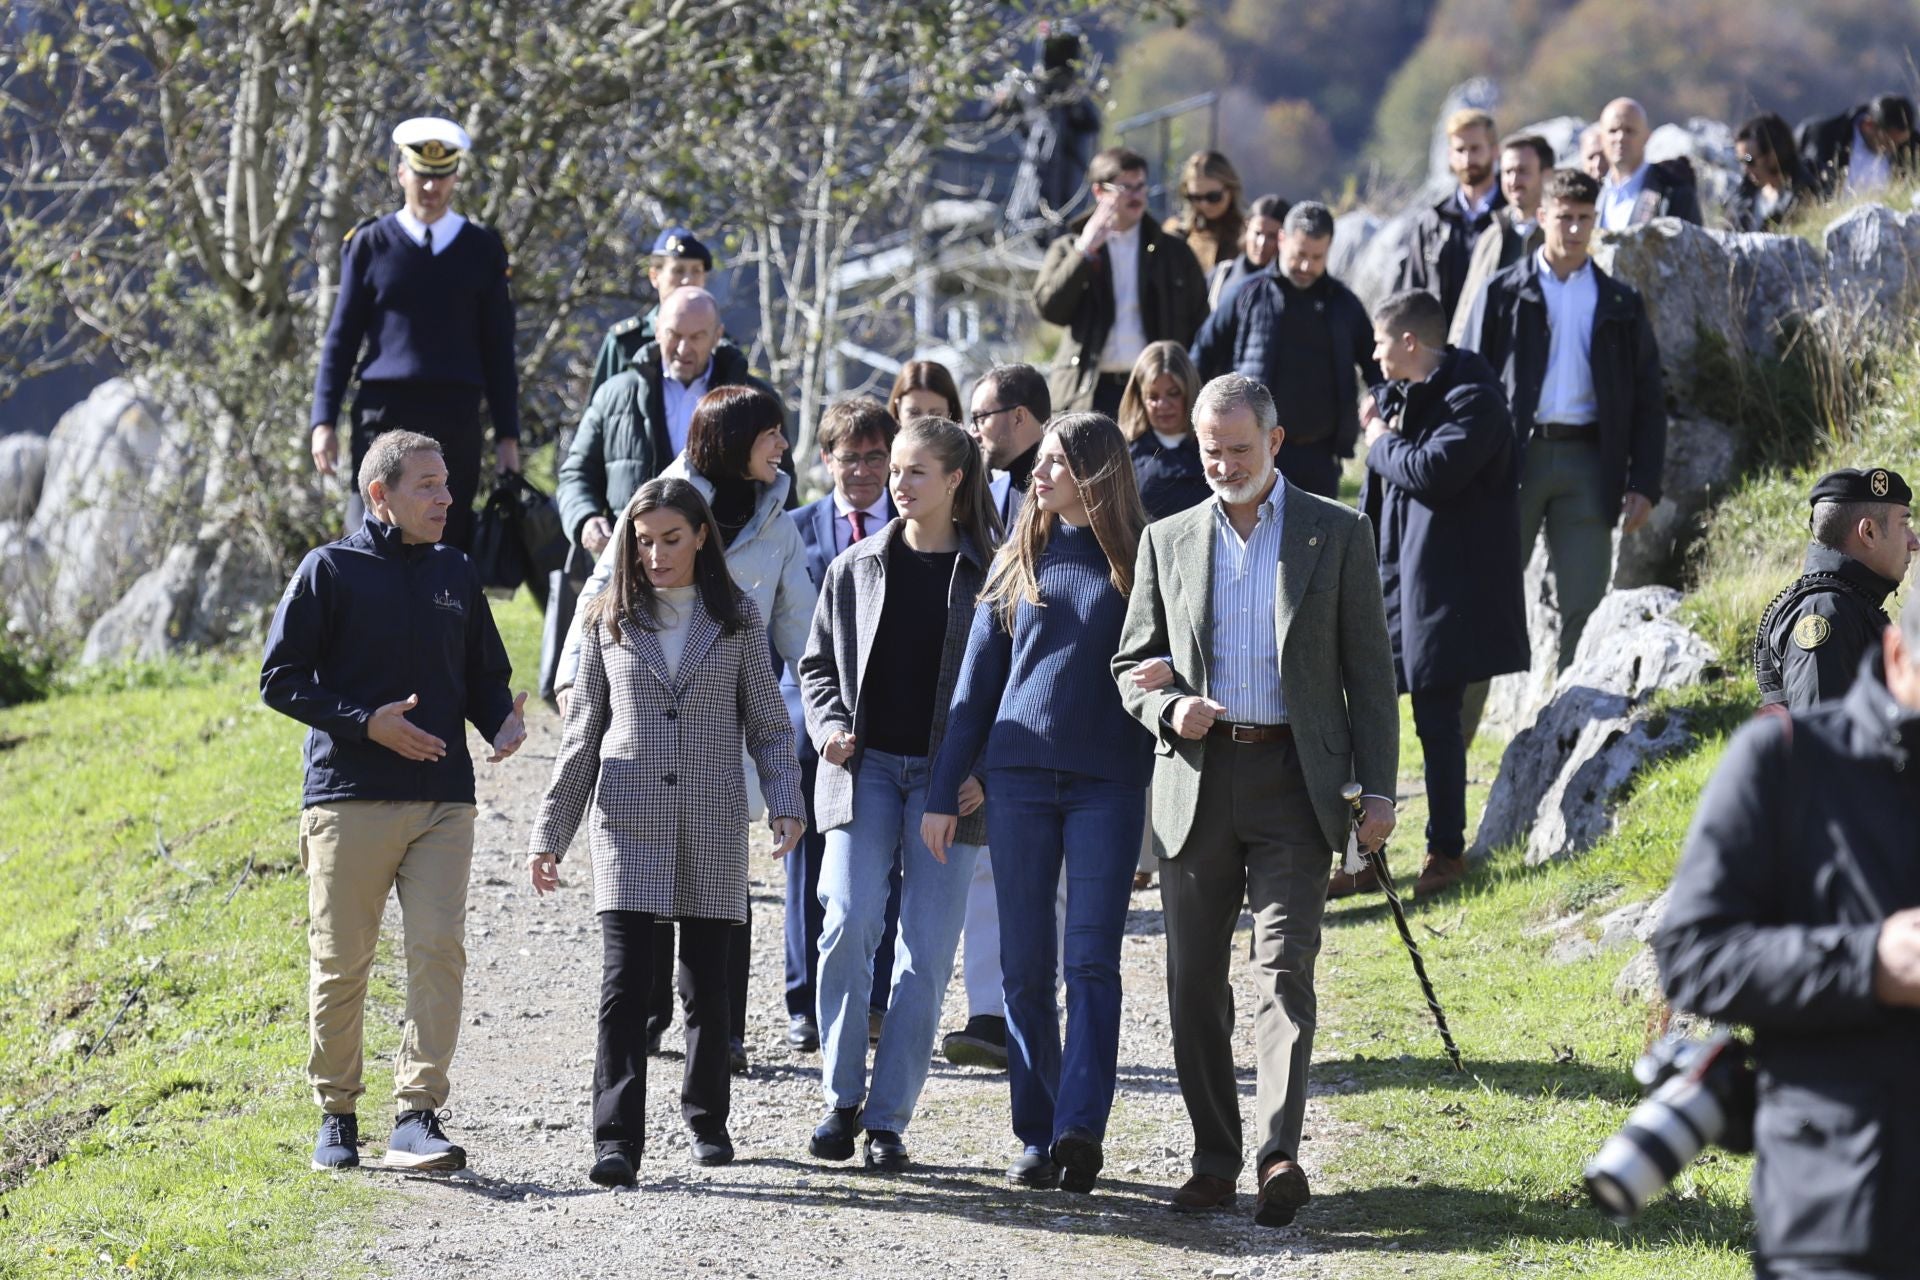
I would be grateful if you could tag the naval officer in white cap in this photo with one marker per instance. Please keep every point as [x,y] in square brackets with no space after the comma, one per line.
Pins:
[424,319]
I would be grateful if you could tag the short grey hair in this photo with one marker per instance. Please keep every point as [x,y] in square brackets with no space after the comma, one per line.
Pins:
[1833,523]
[1310,218]
[1231,392]
[386,459]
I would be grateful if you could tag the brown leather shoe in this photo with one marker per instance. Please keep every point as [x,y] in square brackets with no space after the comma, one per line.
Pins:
[1345,884]
[1204,1193]
[1438,874]
[1283,1189]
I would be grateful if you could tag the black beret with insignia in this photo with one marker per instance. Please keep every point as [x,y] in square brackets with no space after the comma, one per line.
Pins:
[1862,484]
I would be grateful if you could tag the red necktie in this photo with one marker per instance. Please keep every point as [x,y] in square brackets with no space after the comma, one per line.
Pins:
[859,519]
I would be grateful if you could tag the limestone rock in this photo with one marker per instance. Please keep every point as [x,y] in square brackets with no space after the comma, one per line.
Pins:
[113,468]
[1639,980]
[23,469]
[1708,146]
[1776,280]
[1353,231]
[1699,466]
[1559,774]
[1562,133]
[1374,271]
[1872,257]
[201,594]
[1685,278]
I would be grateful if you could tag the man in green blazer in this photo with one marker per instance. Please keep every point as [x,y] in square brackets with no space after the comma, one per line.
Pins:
[1266,602]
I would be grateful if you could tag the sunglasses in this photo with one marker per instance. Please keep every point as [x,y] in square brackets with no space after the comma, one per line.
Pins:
[1748,157]
[1207,197]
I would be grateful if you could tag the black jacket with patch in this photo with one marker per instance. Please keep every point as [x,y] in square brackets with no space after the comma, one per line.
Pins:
[369,620]
[1810,640]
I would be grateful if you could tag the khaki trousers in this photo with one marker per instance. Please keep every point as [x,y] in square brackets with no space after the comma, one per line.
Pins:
[1255,839]
[355,852]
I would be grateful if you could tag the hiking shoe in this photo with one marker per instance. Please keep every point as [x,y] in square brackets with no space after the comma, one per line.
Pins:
[981,1043]
[833,1137]
[1344,884]
[419,1142]
[338,1146]
[1439,874]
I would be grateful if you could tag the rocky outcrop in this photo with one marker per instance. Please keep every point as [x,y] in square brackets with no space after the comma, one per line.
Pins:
[113,467]
[1560,774]
[1700,460]
[23,469]
[1873,260]
[201,595]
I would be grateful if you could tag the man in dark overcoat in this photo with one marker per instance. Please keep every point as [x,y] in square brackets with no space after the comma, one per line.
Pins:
[1443,489]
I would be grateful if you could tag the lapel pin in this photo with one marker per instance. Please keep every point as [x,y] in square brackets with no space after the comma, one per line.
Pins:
[1314,541]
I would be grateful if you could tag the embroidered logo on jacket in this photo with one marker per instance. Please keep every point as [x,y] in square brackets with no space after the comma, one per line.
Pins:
[445,599]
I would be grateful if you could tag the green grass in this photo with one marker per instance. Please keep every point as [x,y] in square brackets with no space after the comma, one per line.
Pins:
[180,1147]
[1478,1174]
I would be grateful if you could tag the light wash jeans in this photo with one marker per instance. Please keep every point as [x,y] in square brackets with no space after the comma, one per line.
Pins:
[889,797]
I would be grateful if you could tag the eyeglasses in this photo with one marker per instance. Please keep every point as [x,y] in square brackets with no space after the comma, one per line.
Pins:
[980,419]
[871,461]
[1208,197]
[1125,188]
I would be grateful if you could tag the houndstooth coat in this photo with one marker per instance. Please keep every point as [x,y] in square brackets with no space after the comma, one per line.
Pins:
[661,761]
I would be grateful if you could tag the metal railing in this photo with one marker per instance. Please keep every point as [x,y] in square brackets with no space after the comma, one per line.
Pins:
[1161,119]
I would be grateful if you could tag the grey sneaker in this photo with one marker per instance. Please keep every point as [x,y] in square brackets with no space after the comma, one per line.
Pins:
[418,1142]
[338,1146]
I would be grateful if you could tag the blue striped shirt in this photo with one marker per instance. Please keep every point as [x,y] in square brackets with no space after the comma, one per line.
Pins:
[1245,646]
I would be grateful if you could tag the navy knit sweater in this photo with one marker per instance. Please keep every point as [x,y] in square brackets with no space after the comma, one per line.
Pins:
[424,317]
[1044,697]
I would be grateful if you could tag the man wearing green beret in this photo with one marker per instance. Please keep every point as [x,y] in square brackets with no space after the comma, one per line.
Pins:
[1808,646]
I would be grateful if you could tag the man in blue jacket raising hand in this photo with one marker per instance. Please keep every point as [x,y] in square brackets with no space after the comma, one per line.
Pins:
[384,644]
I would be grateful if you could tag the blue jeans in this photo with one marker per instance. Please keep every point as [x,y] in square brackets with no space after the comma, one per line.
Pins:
[805,915]
[889,797]
[1038,819]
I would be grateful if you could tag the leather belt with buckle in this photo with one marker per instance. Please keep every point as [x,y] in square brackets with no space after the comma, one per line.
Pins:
[1573,431]
[1251,732]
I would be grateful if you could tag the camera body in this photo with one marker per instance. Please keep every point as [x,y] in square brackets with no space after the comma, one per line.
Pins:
[1698,1092]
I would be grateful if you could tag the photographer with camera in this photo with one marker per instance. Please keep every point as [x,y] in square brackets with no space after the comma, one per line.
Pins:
[1796,912]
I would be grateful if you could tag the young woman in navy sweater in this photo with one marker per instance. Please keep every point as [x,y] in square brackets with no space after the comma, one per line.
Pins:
[1037,715]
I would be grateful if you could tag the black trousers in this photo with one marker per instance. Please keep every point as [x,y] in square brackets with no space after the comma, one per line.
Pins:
[450,413]
[1443,742]
[667,978]
[1107,390]
[620,1052]
[1314,467]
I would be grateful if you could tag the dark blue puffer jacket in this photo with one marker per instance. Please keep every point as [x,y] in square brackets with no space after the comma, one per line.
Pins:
[370,620]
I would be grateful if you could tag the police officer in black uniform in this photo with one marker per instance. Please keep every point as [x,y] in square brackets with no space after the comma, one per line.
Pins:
[1796,912]
[424,291]
[1808,646]
[677,259]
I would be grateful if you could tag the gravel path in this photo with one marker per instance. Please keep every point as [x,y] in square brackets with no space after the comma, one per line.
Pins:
[521,1099]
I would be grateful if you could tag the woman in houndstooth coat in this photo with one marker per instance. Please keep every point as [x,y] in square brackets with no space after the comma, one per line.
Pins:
[675,675]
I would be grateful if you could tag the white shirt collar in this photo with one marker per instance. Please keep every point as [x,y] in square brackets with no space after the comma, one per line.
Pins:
[1549,280]
[1471,207]
[877,511]
[700,381]
[1623,186]
[445,227]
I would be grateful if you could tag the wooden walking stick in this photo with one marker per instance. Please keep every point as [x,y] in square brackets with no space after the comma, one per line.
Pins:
[1377,859]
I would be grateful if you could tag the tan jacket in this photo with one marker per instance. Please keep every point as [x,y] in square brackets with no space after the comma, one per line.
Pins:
[1498,247]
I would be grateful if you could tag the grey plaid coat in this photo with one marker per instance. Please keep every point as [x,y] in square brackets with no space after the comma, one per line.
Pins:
[844,624]
[661,762]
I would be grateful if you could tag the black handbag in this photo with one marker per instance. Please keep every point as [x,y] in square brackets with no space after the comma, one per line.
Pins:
[497,552]
[563,596]
[534,519]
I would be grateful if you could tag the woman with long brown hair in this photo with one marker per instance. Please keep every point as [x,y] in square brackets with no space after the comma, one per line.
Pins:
[673,681]
[1211,216]
[888,638]
[1066,771]
[924,389]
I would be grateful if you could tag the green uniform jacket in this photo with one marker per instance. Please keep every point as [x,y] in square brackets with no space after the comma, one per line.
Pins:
[1336,664]
[622,440]
[622,343]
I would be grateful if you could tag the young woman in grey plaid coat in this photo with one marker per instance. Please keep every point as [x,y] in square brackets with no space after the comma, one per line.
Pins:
[675,674]
[888,637]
